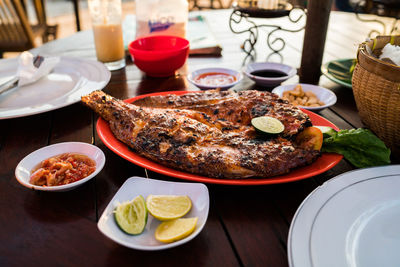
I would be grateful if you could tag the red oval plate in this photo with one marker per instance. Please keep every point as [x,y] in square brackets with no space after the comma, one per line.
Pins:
[322,164]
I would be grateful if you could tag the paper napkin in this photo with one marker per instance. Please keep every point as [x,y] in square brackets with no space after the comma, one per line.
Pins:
[28,73]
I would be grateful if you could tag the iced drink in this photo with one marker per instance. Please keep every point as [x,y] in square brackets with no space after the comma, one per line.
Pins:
[108,41]
[107,30]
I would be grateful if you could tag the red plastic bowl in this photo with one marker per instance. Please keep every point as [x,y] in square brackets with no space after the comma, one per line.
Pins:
[159,55]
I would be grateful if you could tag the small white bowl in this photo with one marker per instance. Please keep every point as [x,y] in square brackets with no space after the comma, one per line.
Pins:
[269,81]
[27,164]
[323,94]
[191,77]
[135,186]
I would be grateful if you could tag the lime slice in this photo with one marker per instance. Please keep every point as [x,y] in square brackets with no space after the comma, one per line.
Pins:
[131,216]
[175,230]
[326,131]
[268,125]
[168,207]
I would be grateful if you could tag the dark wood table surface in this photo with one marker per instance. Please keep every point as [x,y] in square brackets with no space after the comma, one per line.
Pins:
[247,225]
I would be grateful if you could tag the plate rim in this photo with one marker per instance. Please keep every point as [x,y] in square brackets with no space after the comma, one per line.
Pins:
[325,72]
[328,189]
[66,187]
[102,127]
[237,74]
[102,220]
[269,80]
[323,89]
[21,112]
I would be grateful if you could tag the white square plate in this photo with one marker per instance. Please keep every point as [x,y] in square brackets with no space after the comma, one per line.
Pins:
[135,186]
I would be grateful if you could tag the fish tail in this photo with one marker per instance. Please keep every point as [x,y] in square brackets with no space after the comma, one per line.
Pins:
[105,105]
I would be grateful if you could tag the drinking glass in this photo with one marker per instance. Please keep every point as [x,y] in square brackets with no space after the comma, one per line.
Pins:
[107,30]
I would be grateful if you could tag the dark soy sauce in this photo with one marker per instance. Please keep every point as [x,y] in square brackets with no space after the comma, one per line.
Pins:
[269,73]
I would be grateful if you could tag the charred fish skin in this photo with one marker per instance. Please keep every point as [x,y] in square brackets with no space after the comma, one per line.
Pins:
[192,141]
[236,107]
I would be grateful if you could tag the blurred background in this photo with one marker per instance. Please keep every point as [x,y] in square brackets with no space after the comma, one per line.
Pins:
[62,15]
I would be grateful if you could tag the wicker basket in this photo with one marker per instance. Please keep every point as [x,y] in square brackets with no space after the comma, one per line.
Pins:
[376,87]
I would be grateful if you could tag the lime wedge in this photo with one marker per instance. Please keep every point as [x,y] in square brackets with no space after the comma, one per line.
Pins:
[175,230]
[168,207]
[268,125]
[131,216]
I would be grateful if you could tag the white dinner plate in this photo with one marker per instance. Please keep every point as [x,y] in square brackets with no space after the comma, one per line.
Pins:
[135,186]
[350,220]
[70,79]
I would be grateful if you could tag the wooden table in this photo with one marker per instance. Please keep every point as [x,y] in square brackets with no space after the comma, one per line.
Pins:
[247,225]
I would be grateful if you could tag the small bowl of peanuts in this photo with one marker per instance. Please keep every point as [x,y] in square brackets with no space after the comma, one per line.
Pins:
[307,96]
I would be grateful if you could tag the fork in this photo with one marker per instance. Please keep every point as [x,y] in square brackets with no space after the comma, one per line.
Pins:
[37,61]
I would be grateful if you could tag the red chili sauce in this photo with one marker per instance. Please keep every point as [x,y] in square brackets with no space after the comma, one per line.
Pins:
[62,169]
[215,79]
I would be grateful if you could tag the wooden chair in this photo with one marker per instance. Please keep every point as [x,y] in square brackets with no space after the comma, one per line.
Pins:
[16,33]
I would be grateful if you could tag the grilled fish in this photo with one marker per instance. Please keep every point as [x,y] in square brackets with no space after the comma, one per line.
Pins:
[188,136]
[237,108]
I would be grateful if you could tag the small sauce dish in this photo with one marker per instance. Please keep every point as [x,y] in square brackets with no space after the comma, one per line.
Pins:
[269,74]
[325,95]
[212,78]
[25,167]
